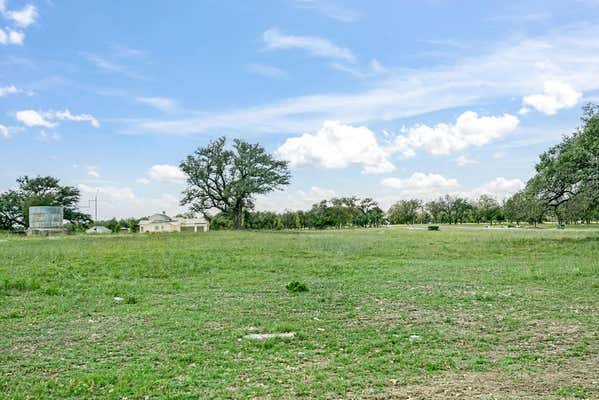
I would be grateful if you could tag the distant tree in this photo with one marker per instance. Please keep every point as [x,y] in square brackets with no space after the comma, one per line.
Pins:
[39,191]
[436,209]
[370,214]
[458,209]
[297,222]
[227,179]
[515,207]
[488,208]
[404,211]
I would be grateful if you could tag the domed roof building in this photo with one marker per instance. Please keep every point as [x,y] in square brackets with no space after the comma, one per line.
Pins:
[160,218]
[163,223]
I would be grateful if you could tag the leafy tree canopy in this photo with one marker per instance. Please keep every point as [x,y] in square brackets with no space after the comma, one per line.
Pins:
[227,179]
[38,191]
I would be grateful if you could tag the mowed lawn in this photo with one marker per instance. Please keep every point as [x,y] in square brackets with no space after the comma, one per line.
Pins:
[390,313]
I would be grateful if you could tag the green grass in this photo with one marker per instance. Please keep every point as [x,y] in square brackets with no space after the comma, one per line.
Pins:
[388,312]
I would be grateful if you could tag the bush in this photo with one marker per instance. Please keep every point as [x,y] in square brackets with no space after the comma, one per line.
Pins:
[433,227]
[296,287]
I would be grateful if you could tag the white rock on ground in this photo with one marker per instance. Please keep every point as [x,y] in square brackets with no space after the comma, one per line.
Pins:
[263,336]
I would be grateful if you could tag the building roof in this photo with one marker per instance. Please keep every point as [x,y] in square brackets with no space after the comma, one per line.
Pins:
[98,229]
[160,218]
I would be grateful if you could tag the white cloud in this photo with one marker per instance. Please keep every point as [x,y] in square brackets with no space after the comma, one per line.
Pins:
[469,130]
[121,202]
[111,66]
[566,54]
[290,199]
[499,188]
[160,103]
[32,118]
[336,145]
[66,115]
[267,71]
[422,185]
[143,181]
[456,44]
[276,40]
[24,17]
[166,173]
[45,137]
[329,9]
[12,37]
[6,90]
[373,69]
[113,192]
[556,95]
[92,171]
[464,160]
[4,131]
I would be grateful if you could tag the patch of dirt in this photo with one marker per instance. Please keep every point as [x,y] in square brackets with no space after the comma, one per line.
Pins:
[546,384]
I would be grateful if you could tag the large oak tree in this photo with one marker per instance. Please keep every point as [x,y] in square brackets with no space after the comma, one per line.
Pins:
[226,179]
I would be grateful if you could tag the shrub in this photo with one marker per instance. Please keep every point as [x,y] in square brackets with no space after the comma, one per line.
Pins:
[433,227]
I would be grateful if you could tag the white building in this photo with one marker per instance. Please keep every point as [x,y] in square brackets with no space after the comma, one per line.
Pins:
[164,223]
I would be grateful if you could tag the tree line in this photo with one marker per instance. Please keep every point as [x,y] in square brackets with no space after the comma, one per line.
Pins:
[222,183]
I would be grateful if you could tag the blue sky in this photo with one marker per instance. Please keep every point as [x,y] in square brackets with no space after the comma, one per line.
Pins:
[388,99]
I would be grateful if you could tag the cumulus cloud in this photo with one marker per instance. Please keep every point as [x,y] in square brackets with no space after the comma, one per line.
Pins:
[336,145]
[428,186]
[274,39]
[10,36]
[6,90]
[556,96]
[468,130]
[113,192]
[32,118]
[160,103]
[23,17]
[422,185]
[293,199]
[166,173]
[499,188]
[122,202]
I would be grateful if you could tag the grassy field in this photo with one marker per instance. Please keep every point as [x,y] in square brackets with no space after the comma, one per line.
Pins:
[390,313]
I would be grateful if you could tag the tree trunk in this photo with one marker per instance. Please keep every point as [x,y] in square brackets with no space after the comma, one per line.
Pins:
[238,215]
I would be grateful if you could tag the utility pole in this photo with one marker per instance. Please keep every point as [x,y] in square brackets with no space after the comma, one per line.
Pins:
[95,201]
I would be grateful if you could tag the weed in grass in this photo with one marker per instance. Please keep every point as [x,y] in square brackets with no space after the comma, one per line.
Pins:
[576,392]
[296,287]
[130,300]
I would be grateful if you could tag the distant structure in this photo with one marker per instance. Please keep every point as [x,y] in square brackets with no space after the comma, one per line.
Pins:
[164,223]
[46,221]
[98,230]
